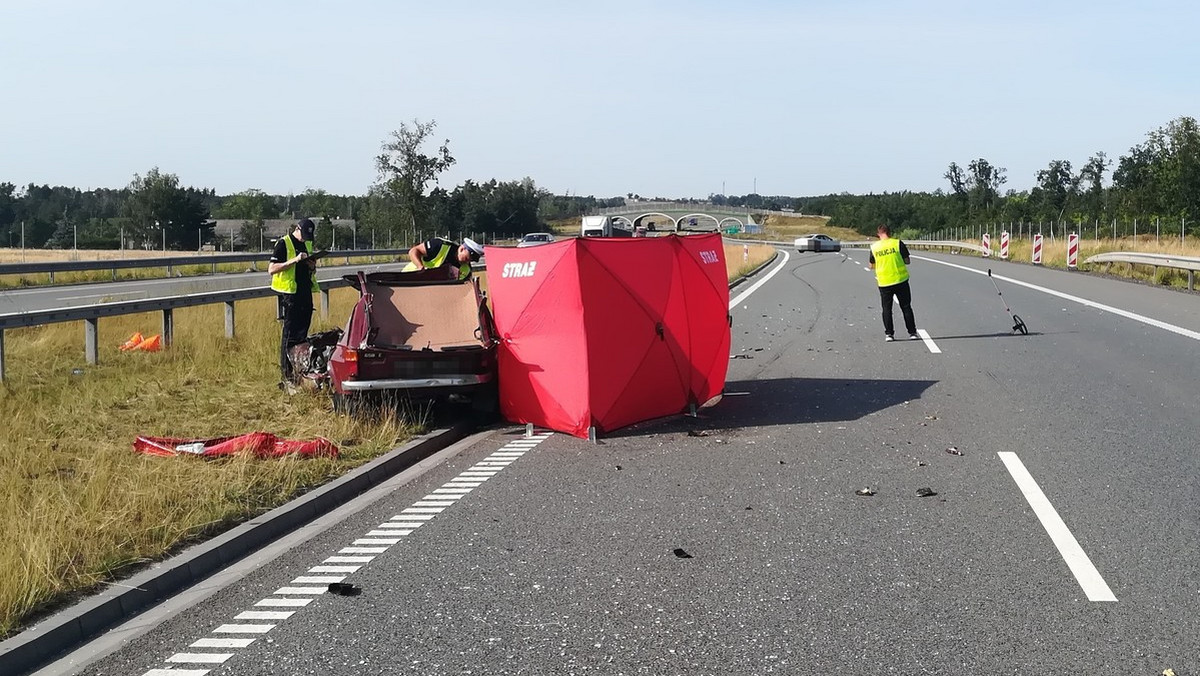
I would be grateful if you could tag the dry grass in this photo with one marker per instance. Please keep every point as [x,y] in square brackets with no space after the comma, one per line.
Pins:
[1054,255]
[741,260]
[78,506]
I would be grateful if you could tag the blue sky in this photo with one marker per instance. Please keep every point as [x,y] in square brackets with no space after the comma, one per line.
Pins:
[671,99]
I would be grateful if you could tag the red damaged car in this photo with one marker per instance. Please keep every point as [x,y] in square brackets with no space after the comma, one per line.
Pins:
[417,335]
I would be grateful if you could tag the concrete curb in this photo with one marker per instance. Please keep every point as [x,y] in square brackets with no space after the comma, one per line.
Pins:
[75,625]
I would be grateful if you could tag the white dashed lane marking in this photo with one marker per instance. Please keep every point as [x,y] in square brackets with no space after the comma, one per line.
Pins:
[304,589]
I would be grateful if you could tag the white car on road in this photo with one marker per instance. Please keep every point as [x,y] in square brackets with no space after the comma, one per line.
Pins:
[818,243]
[534,239]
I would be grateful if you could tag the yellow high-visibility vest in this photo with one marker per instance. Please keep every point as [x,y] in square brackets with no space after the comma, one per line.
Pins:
[890,269]
[464,269]
[284,281]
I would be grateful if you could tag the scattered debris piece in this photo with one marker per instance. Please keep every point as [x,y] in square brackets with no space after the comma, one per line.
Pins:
[921,463]
[931,417]
[697,433]
[741,356]
[926,492]
[679,553]
[749,509]
[953,450]
[344,589]
[618,468]
[758,349]
[782,462]
[865,491]
[1166,672]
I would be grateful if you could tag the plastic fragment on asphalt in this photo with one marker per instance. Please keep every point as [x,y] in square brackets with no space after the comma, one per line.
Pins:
[679,553]
[926,492]
[953,450]
[864,491]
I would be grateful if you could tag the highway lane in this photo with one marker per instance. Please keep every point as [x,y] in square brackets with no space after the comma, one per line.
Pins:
[561,558]
[26,299]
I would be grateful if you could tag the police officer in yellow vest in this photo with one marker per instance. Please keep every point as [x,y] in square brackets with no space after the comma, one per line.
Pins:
[889,260]
[294,278]
[442,253]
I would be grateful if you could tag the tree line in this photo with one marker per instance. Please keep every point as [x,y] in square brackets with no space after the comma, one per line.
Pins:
[1157,179]
[154,211]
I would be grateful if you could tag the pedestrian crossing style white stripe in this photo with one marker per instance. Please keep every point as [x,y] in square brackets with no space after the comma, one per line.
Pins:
[318,579]
[176,672]
[334,569]
[264,615]
[381,541]
[362,550]
[300,591]
[405,523]
[199,657]
[413,517]
[223,643]
[460,491]
[384,533]
[349,559]
[456,483]
[424,510]
[446,498]
[433,503]
[283,603]
[243,628]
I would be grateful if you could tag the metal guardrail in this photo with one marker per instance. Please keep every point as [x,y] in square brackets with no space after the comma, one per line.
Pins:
[1189,263]
[171,262]
[863,244]
[91,314]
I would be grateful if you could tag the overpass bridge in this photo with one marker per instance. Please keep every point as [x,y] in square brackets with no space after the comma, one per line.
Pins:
[676,216]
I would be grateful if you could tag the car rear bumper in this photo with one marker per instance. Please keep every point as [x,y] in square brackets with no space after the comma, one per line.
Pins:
[465,380]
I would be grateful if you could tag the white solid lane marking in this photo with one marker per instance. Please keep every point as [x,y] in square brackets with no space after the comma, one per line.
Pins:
[757,285]
[1085,573]
[223,643]
[199,658]
[1188,333]
[929,341]
[243,628]
[264,615]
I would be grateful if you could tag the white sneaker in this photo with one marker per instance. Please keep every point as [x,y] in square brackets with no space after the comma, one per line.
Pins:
[913,336]
[888,339]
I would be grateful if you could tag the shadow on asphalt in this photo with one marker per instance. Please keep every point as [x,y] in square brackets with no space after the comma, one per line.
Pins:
[788,401]
[1009,334]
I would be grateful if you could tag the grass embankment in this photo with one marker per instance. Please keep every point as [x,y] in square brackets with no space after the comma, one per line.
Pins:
[1054,255]
[78,507]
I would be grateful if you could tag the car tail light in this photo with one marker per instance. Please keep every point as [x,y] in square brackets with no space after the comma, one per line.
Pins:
[350,355]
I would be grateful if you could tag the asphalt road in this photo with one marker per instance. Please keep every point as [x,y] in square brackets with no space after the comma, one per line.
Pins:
[1061,540]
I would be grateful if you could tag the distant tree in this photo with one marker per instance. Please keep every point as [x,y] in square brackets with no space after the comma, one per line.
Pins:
[1056,187]
[984,186]
[159,210]
[405,171]
[1091,182]
[1162,175]
[251,205]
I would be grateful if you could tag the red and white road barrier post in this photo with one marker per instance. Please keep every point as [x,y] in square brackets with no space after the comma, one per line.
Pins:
[1037,249]
[987,245]
[1072,251]
[745,252]
[1004,245]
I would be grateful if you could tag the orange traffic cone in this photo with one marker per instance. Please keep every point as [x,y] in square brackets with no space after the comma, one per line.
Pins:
[134,340]
[151,344]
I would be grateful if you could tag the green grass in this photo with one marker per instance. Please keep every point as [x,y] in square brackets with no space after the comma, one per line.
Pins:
[79,507]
